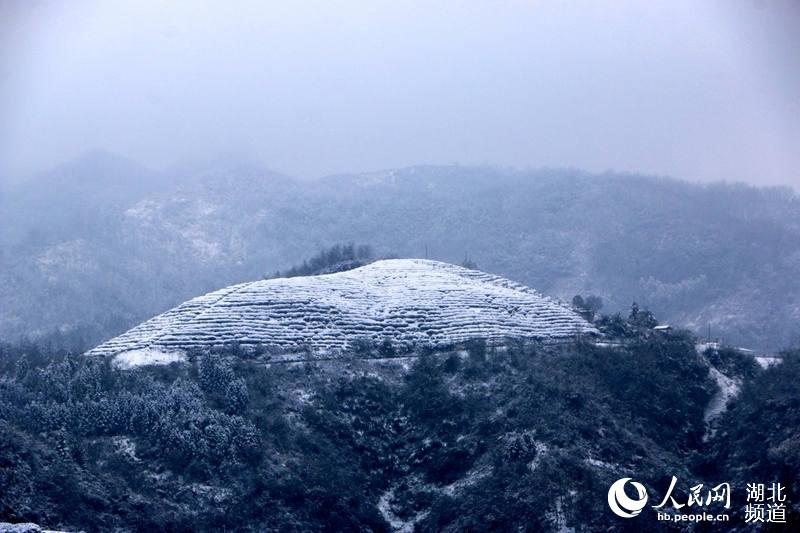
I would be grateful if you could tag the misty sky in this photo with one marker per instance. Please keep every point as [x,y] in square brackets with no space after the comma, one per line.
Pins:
[701,90]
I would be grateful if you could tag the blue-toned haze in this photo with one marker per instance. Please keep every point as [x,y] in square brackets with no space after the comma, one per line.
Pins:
[700,90]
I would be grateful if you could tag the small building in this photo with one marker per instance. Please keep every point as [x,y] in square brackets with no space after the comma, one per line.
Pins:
[666,328]
[701,347]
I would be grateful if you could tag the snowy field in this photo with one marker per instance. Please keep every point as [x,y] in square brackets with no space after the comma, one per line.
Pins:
[404,300]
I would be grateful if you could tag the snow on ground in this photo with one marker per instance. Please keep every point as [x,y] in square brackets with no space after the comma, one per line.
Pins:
[26,527]
[125,447]
[406,300]
[767,361]
[601,464]
[557,516]
[541,450]
[397,524]
[727,388]
[471,477]
[147,356]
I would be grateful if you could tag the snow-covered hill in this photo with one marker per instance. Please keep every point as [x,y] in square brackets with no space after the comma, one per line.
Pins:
[403,300]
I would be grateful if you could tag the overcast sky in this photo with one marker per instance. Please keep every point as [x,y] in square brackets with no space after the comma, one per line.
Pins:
[696,89]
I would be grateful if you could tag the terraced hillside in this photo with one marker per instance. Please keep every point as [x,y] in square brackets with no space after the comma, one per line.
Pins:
[407,301]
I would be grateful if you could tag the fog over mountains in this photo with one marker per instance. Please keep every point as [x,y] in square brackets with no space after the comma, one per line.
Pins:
[99,244]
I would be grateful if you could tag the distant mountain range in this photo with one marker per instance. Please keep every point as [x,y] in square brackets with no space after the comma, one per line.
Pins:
[100,244]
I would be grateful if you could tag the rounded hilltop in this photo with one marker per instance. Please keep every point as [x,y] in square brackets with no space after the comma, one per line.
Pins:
[407,301]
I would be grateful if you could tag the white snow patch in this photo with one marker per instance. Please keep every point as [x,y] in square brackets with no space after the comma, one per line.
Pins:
[727,388]
[143,210]
[601,464]
[608,344]
[203,245]
[557,517]
[541,449]
[303,396]
[215,494]
[25,527]
[125,447]
[472,477]
[701,347]
[147,356]
[766,362]
[397,524]
[411,301]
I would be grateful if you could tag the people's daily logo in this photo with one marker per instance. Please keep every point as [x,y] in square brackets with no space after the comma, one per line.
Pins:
[766,502]
[621,503]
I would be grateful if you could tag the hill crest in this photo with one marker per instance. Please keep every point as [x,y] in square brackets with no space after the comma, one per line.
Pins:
[407,301]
